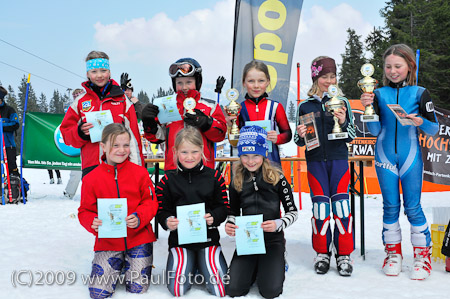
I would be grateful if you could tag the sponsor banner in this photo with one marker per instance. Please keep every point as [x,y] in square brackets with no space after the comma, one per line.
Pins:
[436,150]
[44,146]
[266,31]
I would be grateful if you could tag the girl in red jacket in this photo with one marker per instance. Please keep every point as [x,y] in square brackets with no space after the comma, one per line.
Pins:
[257,106]
[117,177]
[102,93]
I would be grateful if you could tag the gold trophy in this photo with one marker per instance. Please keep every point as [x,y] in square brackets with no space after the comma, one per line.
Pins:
[368,84]
[189,104]
[332,105]
[233,110]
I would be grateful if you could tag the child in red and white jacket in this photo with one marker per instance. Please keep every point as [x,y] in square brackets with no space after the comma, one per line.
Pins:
[102,93]
[117,177]
[186,74]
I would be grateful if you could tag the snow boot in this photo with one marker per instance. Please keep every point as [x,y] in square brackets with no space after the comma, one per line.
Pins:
[52,181]
[59,181]
[344,265]
[422,263]
[392,265]
[322,263]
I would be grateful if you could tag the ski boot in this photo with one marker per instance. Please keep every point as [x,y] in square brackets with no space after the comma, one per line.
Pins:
[392,265]
[322,263]
[344,265]
[422,263]
[59,181]
[52,181]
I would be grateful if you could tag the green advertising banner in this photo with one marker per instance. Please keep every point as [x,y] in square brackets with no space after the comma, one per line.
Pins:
[44,146]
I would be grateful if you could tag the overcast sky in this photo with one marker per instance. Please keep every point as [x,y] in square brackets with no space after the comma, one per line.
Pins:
[144,37]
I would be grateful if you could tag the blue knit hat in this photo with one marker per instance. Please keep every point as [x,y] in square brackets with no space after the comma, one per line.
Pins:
[252,140]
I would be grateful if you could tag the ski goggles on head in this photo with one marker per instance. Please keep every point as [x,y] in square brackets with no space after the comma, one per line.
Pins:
[182,68]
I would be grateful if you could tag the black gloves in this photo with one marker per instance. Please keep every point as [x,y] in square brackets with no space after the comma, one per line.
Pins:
[219,84]
[149,114]
[124,81]
[199,120]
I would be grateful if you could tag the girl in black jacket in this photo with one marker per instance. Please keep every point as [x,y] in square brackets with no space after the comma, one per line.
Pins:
[258,188]
[192,183]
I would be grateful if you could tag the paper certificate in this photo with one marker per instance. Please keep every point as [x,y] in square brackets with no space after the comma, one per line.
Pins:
[168,110]
[192,226]
[266,125]
[400,114]
[311,138]
[100,119]
[112,212]
[250,235]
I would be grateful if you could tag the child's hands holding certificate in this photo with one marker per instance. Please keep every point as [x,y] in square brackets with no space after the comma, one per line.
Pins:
[230,229]
[132,221]
[269,226]
[96,223]
[172,223]
[209,219]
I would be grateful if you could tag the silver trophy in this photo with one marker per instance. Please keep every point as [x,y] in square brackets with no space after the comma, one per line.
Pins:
[332,105]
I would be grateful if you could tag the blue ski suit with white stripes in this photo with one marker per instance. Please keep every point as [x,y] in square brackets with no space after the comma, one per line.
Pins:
[398,159]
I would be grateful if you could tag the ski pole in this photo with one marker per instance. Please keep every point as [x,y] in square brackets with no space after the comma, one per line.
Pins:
[21,142]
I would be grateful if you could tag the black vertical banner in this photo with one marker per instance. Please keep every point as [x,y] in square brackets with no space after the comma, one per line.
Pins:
[266,31]
[436,151]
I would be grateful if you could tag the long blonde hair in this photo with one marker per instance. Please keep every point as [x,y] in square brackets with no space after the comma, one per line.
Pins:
[271,174]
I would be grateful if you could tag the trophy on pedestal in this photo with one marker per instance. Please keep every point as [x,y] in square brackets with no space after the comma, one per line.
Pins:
[334,104]
[368,84]
[232,109]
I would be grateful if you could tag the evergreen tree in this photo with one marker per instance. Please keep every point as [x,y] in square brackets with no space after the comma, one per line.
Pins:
[162,93]
[352,60]
[66,100]
[143,97]
[42,103]
[11,100]
[32,99]
[56,105]
[291,111]
[376,44]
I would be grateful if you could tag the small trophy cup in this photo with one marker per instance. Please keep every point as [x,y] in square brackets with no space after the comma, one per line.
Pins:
[189,104]
[232,110]
[334,104]
[368,84]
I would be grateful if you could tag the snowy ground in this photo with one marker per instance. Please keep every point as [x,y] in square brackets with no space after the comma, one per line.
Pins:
[44,237]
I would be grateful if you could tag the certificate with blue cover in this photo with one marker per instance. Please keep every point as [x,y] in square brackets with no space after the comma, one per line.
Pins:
[266,125]
[250,235]
[168,110]
[100,119]
[112,212]
[192,225]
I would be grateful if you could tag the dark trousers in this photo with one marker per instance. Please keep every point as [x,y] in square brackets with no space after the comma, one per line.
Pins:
[266,269]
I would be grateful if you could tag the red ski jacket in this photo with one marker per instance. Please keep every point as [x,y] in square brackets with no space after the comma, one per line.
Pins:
[132,183]
[168,132]
[264,109]
[122,111]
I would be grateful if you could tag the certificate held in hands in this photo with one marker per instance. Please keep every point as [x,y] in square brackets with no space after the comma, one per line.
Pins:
[192,225]
[250,235]
[112,212]
[100,119]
